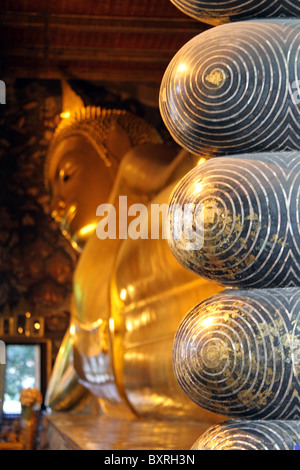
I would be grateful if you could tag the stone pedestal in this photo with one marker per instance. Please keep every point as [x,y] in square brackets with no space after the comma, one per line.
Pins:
[81,432]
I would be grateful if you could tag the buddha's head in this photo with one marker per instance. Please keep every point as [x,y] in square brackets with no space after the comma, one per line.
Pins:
[82,164]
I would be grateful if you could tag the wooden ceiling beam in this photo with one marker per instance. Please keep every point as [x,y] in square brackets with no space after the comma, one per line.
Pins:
[93,54]
[49,43]
[96,74]
[102,24]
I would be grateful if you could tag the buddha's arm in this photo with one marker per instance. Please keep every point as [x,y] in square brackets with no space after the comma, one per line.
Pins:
[64,391]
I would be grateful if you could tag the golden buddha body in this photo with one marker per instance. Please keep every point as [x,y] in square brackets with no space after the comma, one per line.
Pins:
[129,295]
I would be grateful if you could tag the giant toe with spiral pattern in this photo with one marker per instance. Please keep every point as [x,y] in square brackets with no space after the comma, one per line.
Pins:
[250,435]
[234,10]
[245,213]
[238,354]
[235,89]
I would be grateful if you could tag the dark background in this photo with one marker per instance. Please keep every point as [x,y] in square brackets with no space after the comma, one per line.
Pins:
[110,52]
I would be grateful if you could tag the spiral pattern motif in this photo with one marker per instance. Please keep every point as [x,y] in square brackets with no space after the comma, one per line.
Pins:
[250,435]
[235,89]
[245,212]
[238,354]
[234,10]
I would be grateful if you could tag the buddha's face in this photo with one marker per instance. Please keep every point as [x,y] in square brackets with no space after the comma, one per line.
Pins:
[79,181]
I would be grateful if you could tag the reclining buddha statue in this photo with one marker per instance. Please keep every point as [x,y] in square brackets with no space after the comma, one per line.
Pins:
[129,293]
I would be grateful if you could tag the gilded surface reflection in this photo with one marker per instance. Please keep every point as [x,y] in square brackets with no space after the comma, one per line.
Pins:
[107,433]
[129,295]
[158,293]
